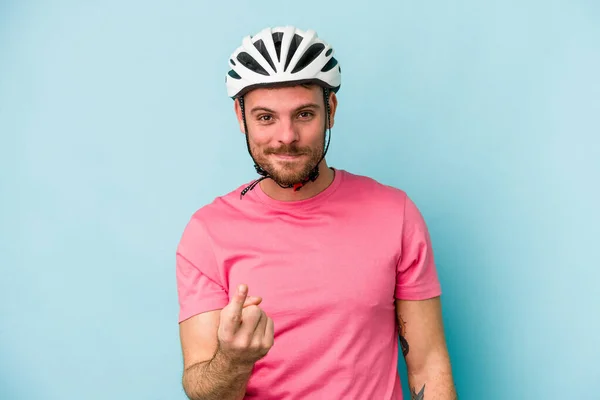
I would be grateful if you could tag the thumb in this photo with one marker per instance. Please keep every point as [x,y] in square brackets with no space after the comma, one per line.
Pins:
[252,301]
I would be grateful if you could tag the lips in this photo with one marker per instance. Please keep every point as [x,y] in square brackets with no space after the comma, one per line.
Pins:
[288,156]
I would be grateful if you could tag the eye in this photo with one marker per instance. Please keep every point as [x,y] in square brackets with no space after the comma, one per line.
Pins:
[305,114]
[265,118]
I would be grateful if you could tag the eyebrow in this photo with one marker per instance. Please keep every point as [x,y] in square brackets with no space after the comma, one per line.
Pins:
[303,106]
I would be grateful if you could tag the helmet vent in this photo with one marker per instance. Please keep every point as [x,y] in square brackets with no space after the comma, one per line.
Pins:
[330,64]
[309,56]
[250,63]
[292,50]
[260,46]
[234,74]
[277,37]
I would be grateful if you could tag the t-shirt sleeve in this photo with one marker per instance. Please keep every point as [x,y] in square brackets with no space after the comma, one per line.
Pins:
[416,274]
[199,283]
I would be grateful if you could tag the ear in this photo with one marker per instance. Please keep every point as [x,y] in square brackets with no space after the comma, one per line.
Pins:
[238,113]
[332,108]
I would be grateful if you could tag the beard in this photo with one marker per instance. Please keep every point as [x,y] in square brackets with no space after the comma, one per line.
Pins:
[288,173]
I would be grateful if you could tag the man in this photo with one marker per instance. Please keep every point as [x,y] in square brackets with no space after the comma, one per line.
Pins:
[301,284]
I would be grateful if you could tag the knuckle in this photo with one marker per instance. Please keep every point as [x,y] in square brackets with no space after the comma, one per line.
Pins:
[252,313]
[264,351]
[244,342]
[254,347]
[253,309]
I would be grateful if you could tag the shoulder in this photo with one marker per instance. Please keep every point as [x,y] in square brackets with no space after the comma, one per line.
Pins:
[225,208]
[368,188]
[225,203]
[394,202]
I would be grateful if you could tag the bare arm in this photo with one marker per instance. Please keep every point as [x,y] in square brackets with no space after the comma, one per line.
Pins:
[217,379]
[207,374]
[221,347]
[424,349]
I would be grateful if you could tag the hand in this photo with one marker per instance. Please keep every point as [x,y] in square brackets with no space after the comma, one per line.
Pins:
[245,332]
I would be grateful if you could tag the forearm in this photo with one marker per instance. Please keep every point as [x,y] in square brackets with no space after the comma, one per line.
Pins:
[217,379]
[432,382]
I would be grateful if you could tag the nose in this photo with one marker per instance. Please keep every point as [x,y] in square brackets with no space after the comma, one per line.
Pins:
[287,133]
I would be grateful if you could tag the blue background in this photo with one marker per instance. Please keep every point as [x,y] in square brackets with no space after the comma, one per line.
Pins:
[115,126]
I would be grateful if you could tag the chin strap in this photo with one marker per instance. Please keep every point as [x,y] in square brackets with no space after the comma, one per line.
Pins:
[313,174]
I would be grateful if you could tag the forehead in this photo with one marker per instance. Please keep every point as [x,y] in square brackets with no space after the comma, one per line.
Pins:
[284,97]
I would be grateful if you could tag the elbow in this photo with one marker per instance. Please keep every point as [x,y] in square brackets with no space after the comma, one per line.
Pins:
[188,390]
[434,363]
[190,382]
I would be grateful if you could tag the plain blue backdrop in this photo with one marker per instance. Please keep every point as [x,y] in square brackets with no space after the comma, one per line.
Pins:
[115,127]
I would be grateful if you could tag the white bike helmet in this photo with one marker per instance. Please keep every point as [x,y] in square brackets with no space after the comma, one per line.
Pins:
[282,55]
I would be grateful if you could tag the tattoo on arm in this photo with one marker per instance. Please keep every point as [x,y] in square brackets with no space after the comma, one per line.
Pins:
[417,396]
[403,341]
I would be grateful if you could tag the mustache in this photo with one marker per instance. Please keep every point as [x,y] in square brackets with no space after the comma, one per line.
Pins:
[288,150]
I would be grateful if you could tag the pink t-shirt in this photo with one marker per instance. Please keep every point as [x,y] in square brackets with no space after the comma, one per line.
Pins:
[328,269]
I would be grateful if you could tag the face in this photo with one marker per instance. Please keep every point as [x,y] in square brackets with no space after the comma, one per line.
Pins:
[286,129]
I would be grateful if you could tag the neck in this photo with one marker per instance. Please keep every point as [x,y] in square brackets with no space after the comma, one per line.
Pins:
[310,189]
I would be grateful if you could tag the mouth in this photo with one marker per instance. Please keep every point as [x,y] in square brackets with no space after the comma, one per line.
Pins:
[288,157]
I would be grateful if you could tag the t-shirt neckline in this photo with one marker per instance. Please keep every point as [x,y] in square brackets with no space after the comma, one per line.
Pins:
[301,204]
